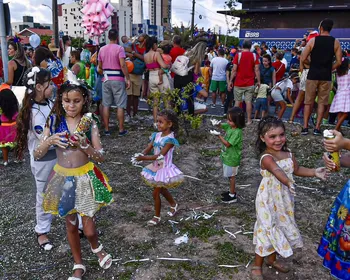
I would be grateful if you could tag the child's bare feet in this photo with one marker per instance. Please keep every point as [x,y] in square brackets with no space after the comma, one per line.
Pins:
[256,273]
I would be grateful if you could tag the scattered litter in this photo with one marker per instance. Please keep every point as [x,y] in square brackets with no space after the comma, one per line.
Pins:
[248,232]
[181,239]
[140,260]
[115,260]
[248,263]
[307,188]
[231,266]
[173,259]
[237,232]
[230,233]
[116,162]
[169,254]
[244,185]
[191,177]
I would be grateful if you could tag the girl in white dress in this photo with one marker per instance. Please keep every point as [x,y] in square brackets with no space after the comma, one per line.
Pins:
[275,230]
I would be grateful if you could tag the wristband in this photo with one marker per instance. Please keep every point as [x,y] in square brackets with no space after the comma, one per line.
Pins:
[84,147]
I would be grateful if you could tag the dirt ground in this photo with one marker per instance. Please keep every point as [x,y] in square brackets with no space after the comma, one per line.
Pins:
[123,224]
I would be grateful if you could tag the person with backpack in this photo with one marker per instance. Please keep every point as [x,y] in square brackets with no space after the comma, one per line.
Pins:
[245,70]
[136,54]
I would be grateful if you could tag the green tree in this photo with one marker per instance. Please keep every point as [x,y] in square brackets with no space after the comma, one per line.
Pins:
[45,38]
[183,32]
[229,40]
[77,42]
[232,6]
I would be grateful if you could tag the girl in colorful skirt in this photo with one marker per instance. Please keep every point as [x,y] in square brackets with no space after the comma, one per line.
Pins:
[275,230]
[9,112]
[334,247]
[162,174]
[75,186]
[341,101]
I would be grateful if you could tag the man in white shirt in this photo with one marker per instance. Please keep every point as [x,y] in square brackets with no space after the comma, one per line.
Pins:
[283,91]
[218,77]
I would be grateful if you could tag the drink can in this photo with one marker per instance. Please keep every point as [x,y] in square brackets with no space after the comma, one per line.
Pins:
[335,155]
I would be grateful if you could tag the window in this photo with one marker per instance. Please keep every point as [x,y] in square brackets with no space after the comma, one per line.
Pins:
[65,19]
[65,11]
[75,24]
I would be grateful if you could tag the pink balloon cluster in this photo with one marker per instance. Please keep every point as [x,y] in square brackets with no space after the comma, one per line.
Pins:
[96,14]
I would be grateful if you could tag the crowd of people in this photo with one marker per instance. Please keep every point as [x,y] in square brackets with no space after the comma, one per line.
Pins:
[54,123]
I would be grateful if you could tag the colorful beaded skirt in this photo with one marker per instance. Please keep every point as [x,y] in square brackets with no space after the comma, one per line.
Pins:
[334,247]
[8,135]
[82,190]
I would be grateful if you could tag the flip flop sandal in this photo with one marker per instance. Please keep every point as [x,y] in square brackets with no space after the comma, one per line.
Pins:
[153,222]
[76,267]
[279,267]
[46,245]
[172,214]
[103,263]
[254,276]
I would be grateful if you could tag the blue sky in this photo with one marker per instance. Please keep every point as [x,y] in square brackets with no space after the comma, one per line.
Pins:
[181,12]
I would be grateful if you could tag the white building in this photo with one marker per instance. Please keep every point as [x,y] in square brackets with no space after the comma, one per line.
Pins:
[28,22]
[69,20]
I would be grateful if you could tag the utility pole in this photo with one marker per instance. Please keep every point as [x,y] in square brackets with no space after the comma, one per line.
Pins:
[4,54]
[192,23]
[55,22]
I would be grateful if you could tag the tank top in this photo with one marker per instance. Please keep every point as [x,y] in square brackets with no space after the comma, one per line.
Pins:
[18,75]
[82,73]
[322,59]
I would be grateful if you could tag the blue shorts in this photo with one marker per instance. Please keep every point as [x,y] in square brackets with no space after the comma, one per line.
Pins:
[261,104]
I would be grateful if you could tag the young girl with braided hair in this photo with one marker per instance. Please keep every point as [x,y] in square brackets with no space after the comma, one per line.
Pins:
[275,230]
[162,174]
[36,107]
[75,186]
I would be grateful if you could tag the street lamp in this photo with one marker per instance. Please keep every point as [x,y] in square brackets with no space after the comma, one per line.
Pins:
[47,6]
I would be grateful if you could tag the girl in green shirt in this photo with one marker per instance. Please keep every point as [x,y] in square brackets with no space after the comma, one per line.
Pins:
[232,150]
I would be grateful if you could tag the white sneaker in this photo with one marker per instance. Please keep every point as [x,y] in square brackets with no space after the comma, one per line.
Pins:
[142,99]
[127,118]
[5,163]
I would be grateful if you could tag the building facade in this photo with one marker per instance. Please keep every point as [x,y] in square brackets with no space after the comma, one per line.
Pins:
[150,29]
[28,22]
[69,20]
[280,23]
[160,12]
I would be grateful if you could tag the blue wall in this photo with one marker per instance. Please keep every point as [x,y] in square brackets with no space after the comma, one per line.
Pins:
[285,38]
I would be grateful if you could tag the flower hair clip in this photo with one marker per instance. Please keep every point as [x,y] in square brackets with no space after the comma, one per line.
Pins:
[32,75]
[16,39]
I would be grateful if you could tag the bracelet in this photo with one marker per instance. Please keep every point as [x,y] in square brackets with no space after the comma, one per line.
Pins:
[84,147]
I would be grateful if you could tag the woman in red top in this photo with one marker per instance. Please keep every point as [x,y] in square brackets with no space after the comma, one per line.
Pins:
[279,66]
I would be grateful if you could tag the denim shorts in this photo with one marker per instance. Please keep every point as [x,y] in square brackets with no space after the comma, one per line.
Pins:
[261,104]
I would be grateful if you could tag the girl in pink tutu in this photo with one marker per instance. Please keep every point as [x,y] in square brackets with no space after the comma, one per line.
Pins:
[162,174]
[341,101]
[9,108]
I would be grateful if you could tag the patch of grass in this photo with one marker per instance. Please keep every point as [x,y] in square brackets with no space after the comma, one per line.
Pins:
[131,214]
[125,275]
[189,270]
[203,229]
[210,152]
[245,217]
[227,252]
[104,223]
